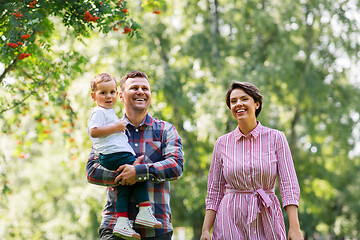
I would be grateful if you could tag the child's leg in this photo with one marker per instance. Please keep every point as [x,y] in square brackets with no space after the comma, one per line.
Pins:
[122,200]
[113,161]
[123,228]
[145,216]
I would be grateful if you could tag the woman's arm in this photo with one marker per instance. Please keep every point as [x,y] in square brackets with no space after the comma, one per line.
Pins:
[294,226]
[208,224]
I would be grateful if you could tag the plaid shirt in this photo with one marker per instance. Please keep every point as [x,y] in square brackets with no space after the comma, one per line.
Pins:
[161,145]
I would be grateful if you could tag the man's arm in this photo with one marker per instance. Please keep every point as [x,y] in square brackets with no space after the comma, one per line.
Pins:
[97,174]
[168,169]
[171,165]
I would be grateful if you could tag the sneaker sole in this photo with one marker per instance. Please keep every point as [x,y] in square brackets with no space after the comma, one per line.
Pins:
[127,237]
[148,224]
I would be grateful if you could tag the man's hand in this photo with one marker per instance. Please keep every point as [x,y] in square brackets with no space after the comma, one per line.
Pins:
[128,172]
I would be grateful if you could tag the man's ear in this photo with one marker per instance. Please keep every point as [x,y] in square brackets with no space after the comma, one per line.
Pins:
[121,97]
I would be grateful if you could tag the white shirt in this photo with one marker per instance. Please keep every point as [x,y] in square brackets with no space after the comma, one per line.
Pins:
[117,142]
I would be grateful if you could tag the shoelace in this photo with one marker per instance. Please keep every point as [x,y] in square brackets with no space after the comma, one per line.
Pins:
[152,214]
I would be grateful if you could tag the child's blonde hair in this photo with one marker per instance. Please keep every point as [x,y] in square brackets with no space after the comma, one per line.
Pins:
[101,77]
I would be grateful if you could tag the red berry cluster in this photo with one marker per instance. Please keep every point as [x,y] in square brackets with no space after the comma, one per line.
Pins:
[156,11]
[124,10]
[32,4]
[89,18]
[26,36]
[17,15]
[126,30]
[23,55]
[14,45]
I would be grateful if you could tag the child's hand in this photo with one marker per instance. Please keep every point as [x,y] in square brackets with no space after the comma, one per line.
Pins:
[120,126]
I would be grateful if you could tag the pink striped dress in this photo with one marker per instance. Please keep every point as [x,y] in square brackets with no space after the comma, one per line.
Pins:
[241,184]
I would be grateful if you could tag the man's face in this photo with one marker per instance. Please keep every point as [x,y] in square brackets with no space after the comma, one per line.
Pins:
[136,95]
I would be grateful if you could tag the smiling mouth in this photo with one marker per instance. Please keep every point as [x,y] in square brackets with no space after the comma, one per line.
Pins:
[140,100]
[240,111]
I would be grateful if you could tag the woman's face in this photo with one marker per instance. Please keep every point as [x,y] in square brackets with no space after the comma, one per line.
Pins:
[242,105]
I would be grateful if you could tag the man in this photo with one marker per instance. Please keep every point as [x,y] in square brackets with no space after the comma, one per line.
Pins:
[161,146]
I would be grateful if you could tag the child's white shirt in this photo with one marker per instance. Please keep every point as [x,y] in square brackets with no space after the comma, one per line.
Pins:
[117,142]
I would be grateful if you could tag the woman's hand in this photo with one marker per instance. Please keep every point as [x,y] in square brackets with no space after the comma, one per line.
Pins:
[295,234]
[205,235]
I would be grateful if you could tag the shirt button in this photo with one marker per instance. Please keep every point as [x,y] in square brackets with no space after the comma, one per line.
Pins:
[144,178]
[139,178]
[136,144]
[136,130]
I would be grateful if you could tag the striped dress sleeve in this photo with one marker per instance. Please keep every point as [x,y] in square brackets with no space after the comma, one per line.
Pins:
[288,183]
[216,181]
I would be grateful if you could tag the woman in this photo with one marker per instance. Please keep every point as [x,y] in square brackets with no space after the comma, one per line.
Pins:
[241,201]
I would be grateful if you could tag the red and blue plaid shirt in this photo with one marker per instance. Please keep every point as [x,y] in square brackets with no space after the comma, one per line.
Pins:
[161,146]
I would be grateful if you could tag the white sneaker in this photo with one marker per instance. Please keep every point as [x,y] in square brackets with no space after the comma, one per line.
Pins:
[123,229]
[146,218]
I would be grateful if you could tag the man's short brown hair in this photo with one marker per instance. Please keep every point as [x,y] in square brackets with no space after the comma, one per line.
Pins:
[101,77]
[133,74]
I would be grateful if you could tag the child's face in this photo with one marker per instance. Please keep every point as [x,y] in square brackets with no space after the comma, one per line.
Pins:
[105,94]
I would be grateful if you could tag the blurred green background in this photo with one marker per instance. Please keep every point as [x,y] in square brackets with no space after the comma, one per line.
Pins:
[302,54]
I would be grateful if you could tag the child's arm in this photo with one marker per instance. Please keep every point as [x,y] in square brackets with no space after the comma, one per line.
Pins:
[104,131]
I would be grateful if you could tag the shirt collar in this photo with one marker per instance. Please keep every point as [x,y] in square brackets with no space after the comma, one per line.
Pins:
[254,133]
[148,120]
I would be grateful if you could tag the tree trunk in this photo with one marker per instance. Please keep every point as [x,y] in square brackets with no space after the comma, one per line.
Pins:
[197,226]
